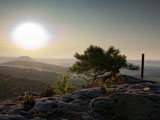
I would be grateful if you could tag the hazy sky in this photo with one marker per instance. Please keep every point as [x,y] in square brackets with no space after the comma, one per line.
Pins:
[133,26]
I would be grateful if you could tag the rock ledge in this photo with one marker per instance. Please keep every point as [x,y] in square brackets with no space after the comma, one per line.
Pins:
[137,101]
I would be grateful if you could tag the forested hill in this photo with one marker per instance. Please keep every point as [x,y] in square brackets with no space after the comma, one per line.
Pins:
[34,74]
[35,65]
[13,86]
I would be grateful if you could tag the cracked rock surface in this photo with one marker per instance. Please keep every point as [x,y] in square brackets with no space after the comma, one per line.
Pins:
[135,100]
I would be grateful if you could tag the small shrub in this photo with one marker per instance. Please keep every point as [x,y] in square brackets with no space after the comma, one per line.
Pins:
[114,80]
[60,87]
[11,114]
[104,90]
[120,80]
[48,92]
[28,100]
[63,86]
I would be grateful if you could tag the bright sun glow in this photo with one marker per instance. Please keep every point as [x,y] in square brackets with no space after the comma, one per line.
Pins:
[30,36]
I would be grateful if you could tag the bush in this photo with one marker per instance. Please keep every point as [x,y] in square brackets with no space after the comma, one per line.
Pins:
[48,92]
[28,100]
[114,80]
[60,87]
[63,86]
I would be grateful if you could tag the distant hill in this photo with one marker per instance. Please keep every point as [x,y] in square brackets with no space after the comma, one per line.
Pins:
[24,58]
[46,77]
[57,61]
[6,59]
[14,80]
[13,86]
[29,63]
[54,61]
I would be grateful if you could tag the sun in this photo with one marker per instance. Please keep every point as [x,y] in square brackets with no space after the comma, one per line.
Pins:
[30,36]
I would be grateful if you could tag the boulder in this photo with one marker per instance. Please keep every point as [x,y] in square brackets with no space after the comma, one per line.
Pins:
[125,107]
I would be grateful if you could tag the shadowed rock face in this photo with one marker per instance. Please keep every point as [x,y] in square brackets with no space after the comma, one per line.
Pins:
[138,101]
[125,106]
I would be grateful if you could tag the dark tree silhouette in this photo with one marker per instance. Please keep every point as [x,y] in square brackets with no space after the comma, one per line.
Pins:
[96,61]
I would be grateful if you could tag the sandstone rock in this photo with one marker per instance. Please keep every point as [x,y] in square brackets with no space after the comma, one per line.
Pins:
[137,100]
[133,80]
[39,118]
[126,107]
[11,117]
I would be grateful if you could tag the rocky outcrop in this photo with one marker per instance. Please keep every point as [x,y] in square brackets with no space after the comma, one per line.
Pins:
[138,101]
[132,80]
[125,107]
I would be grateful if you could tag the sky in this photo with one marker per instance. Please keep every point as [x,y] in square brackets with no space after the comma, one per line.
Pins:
[133,26]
